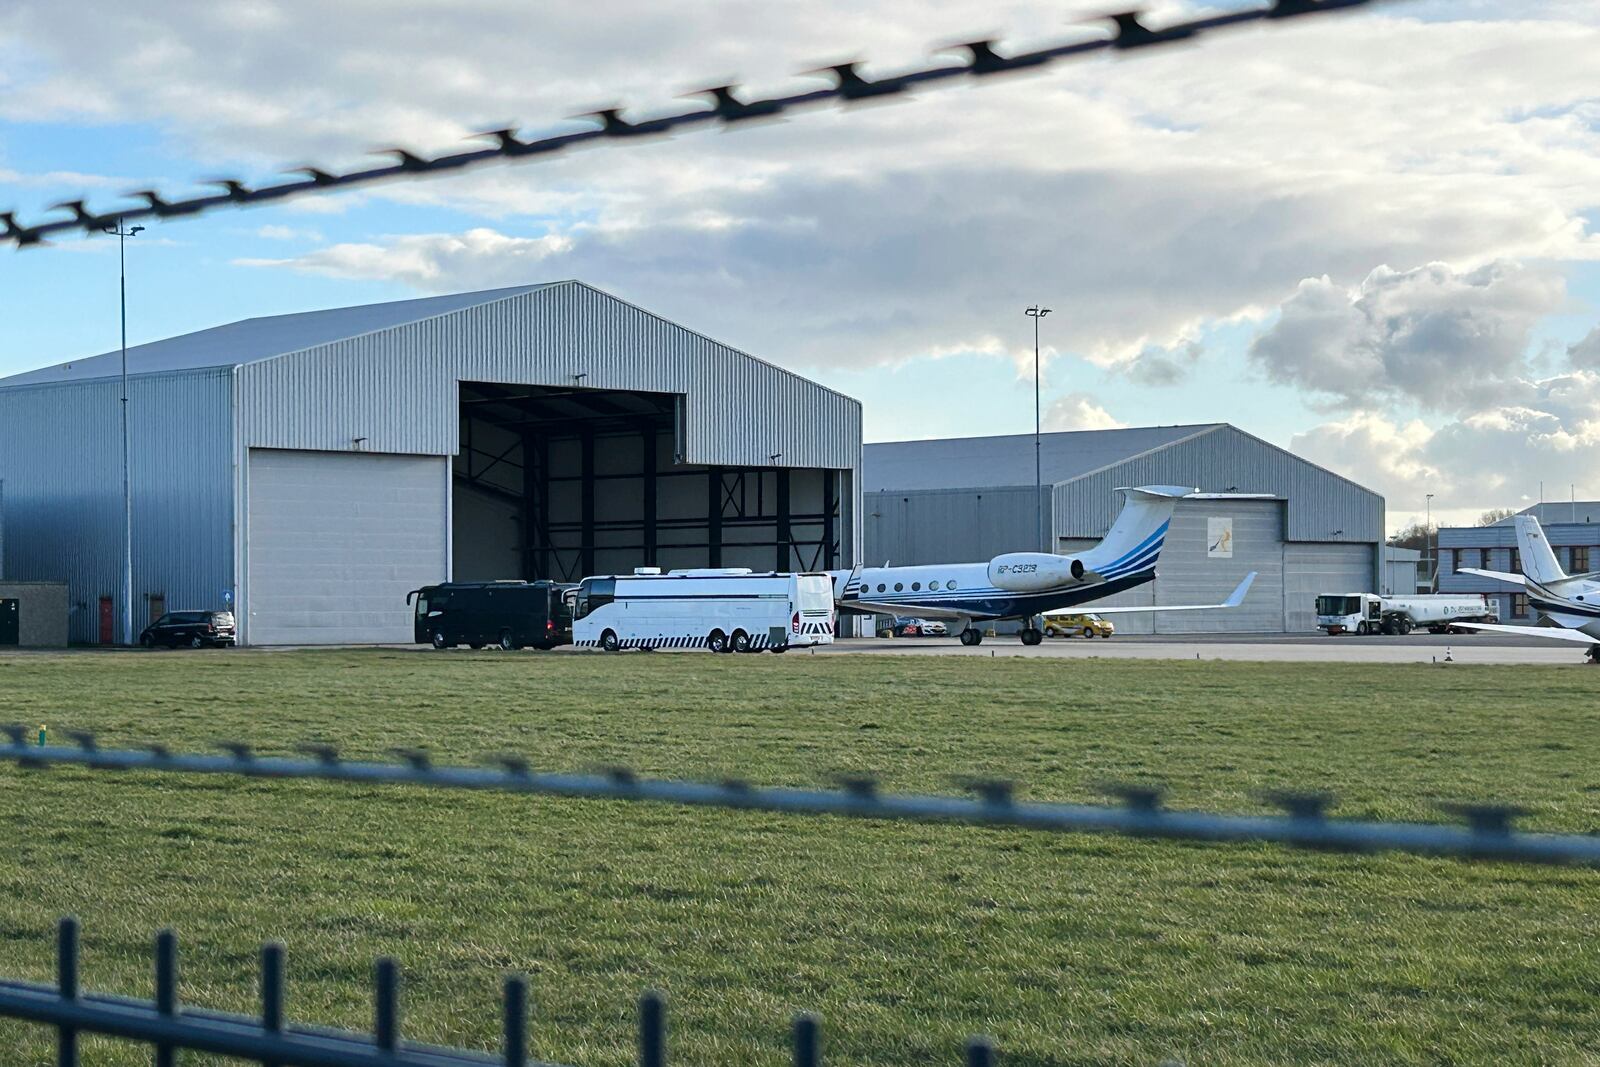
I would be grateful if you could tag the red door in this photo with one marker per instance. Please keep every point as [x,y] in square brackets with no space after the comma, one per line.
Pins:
[108,622]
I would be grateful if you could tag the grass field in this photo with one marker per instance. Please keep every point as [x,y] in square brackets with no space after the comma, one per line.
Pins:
[906,938]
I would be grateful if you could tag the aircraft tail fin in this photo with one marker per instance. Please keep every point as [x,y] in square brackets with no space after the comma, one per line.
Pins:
[1134,541]
[1539,562]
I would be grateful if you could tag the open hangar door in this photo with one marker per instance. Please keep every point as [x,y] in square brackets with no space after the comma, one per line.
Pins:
[335,542]
[556,482]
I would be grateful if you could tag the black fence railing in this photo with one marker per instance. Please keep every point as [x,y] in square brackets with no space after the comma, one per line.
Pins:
[1486,832]
[169,1027]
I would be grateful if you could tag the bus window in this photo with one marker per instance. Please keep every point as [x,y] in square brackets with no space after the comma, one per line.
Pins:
[422,605]
[594,593]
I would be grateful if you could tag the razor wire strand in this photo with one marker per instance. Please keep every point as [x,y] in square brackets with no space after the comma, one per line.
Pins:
[726,108]
[1485,833]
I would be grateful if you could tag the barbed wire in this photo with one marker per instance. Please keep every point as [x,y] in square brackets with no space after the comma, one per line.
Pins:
[1486,834]
[726,109]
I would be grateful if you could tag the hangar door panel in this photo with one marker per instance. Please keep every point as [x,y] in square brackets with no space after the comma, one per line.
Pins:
[1317,568]
[1211,546]
[337,539]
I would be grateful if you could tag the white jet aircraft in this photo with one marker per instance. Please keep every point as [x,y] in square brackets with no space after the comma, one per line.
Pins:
[1024,585]
[1570,602]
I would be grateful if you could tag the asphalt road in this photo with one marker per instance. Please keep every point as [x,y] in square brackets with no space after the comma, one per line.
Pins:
[1416,648]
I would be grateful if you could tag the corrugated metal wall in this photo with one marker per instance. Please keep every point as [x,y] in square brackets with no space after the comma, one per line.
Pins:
[1187,575]
[1311,570]
[396,387]
[950,525]
[1322,506]
[60,458]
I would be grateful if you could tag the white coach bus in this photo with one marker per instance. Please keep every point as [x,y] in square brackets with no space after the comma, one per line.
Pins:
[726,610]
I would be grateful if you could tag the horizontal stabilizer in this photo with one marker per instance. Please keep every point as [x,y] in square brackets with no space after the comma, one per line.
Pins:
[1235,598]
[1501,576]
[1549,633]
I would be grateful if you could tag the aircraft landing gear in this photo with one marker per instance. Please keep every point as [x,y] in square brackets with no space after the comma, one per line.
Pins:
[1031,636]
[971,636]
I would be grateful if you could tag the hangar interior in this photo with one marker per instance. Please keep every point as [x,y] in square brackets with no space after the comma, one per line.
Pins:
[563,482]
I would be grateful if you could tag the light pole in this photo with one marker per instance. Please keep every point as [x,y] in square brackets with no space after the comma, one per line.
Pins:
[127,493]
[1427,529]
[1036,313]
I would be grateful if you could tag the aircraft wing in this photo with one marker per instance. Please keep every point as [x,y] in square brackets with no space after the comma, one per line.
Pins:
[911,611]
[1499,576]
[1550,633]
[1235,598]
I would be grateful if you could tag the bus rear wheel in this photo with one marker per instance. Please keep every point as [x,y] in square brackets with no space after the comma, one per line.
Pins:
[741,641]
[717,641]
[609,642]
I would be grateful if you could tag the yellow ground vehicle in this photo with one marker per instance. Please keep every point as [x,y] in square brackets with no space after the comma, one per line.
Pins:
[1077,626]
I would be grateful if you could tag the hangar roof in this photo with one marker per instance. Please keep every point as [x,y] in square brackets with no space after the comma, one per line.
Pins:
[250,340]
[973,462]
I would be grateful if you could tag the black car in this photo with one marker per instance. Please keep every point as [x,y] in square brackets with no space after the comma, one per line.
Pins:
[196,629]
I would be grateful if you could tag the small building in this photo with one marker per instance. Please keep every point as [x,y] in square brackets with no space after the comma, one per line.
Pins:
[1403,572]
[308,470]
[1304,529]
[1572,529]
[33,614]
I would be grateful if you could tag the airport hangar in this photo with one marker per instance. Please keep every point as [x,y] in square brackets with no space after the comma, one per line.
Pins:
[1302,528]
[308,470]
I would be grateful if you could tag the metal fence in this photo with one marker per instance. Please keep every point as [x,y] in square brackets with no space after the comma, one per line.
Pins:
[1485,833]
[168,1027]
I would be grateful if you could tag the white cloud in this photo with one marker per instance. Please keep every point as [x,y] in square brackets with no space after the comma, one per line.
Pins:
[1441,338]
[477,259]
[1079,411]
[1586,353]
[288,233]
[1144,200]
[1493,457]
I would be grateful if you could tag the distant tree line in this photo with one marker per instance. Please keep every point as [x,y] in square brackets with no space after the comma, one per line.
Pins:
[1419,535]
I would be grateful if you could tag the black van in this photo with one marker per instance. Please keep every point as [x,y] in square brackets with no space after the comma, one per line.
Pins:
[509,614]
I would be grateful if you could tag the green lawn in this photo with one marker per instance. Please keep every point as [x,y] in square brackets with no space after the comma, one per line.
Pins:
[906,938]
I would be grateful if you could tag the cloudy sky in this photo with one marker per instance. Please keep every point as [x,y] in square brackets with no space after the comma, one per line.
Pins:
[1369,238]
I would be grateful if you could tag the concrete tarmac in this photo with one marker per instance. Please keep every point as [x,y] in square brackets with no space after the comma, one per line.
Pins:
[1309,648]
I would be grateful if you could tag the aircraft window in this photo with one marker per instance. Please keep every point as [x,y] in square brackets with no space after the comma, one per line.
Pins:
[916,587]
[949,585]
[933,586]
[898,587]
[880,587]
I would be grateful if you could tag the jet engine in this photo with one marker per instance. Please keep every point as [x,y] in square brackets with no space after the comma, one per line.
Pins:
[1032,572]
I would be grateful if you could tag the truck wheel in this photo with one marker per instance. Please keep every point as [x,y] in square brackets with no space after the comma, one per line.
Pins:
[717,641]
[1361,629]
[1404,625]
[741,641]
[507,643]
